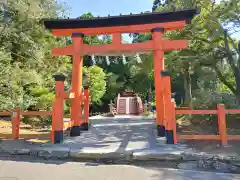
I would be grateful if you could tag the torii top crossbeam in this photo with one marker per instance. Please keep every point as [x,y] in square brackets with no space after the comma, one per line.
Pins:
[116,25]
[121,24]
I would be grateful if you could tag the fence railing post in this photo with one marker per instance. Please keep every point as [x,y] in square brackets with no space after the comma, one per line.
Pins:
[16,117]
[222,129]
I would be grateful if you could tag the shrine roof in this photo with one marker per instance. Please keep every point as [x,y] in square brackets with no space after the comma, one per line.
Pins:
[122,20]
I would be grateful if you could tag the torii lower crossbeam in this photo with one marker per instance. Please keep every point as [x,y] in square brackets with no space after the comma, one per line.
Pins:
[120,49]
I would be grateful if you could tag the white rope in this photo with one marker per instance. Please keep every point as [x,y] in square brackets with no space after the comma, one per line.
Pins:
[124,59]
[138,58]
[93,59]
[107,60]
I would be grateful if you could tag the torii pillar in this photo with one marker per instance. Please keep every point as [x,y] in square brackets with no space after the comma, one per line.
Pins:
[160,46]
[158,63]
[76,107]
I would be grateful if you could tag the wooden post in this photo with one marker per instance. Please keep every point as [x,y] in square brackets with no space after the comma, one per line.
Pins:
[86,109]
[58,110]
[118,103]
[116,39]
[158,63]
[76,107]
[168,107]
[16,118]
[110,107]
[174,123]
[53,122]
[222,124]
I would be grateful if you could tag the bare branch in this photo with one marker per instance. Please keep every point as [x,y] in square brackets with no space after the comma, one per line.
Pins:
[224,81]
[235,31]
[221,77]
[229,55]
[234,45]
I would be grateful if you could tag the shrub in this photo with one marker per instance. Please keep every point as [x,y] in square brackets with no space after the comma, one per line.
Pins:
[210,100]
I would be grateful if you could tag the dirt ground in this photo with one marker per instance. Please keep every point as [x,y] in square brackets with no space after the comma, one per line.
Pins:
[205,127]
[26,132]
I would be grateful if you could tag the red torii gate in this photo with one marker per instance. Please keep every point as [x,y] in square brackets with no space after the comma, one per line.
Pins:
[155,23]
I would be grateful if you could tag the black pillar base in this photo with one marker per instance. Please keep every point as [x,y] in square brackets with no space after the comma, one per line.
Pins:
[84,127]
[160,130]
[169,136]
[58,137]
[75,131]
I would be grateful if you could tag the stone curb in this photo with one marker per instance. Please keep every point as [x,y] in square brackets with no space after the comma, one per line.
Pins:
[46,153]
[185,160]
[199,156]
[163,153]
[78,155]
[63,153]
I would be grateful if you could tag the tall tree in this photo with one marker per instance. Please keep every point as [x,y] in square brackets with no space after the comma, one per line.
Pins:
[27,47]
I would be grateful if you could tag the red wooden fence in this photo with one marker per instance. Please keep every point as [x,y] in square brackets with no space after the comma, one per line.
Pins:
[222,129]
[221,112]
[16,117]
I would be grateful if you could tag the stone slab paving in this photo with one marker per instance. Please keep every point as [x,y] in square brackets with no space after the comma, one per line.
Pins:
[118,136]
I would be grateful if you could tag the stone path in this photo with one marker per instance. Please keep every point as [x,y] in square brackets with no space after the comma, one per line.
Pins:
[120,136]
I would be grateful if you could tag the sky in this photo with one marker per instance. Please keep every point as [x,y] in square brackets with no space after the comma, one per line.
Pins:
[105,7]
[110,7]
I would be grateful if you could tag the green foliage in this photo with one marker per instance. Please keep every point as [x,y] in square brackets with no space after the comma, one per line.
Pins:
[209,100]
[97,83]
[142,75]
[45,101]
[26,62]
[212,58]
[113,86]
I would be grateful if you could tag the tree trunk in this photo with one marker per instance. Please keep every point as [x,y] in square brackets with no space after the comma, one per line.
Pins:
[187,88]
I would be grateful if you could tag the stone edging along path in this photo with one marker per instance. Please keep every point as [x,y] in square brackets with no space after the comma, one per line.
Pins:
[163,152]
[181,161]
[186,159]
